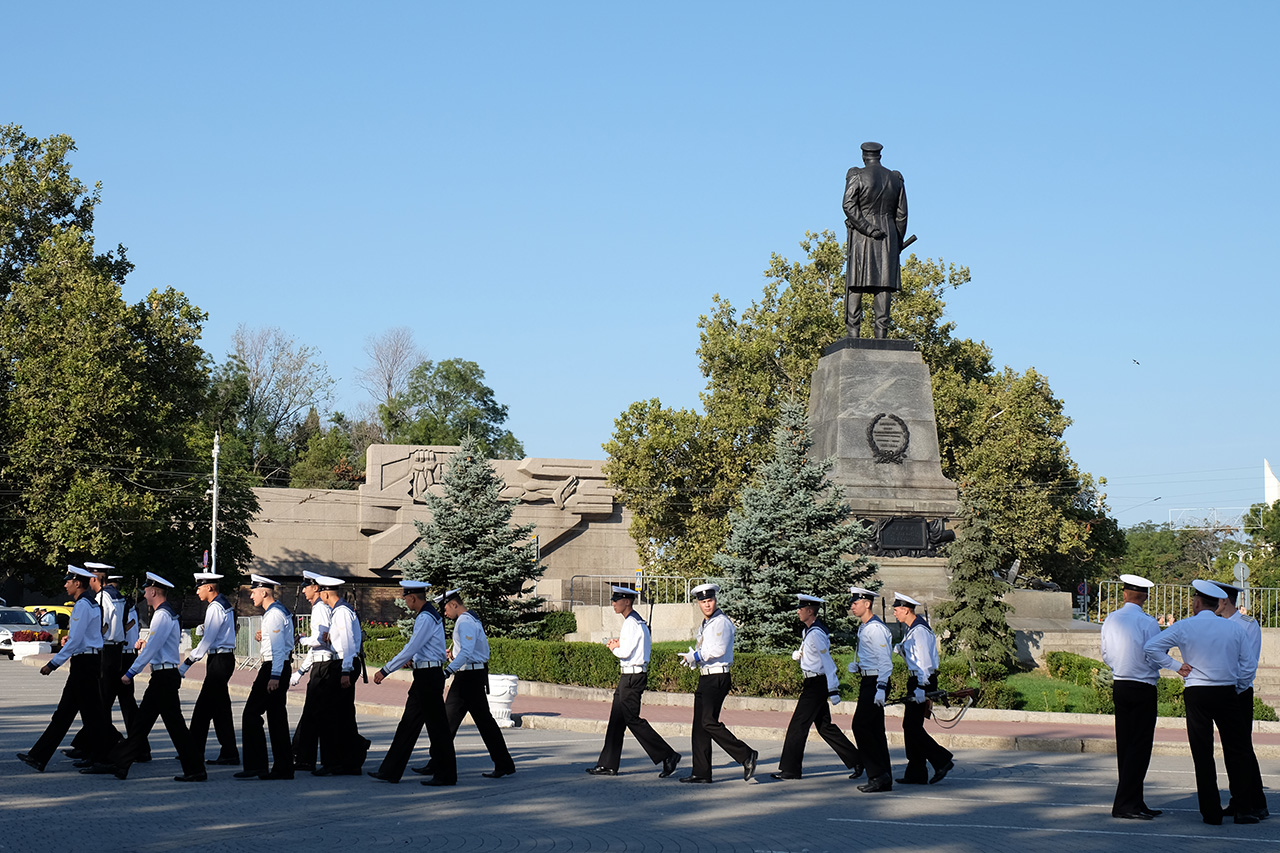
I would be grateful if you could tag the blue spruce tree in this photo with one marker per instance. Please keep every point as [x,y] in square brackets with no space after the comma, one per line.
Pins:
[972,623]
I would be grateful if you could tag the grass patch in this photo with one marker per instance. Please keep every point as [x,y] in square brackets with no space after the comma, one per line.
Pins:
[1038,691]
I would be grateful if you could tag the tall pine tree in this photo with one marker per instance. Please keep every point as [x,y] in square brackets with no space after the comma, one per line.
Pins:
[471,544]
[793,534]
[972,623]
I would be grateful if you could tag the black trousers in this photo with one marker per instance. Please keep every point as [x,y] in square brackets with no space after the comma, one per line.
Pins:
[1135,732]
[1208,707]
[128,704]
[159,700]
[81,695]
[853,312]
[424,706]
[306,738]
[469,695]
[922,749]
[109,687]
[1252,781]
[214,705]
[341,744]
[813,708]
[624,716]
[270,702]
[708,699]
[868,730]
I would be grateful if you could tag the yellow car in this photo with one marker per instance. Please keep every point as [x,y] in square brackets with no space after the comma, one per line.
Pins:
[62,616]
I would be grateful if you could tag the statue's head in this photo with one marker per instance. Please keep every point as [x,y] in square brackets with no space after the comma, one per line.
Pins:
[871,152]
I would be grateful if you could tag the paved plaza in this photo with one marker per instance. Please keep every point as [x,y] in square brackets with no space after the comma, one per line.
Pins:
[993,801]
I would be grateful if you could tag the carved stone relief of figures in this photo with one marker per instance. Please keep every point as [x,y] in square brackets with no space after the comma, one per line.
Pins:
[533,491]
[424,466]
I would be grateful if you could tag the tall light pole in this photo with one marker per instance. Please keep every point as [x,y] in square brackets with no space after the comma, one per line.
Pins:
[213,545]
[1241,573]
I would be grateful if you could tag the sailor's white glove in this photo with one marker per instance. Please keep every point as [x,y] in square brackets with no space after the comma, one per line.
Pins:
[294,679]
[897,649]
[853,668]
[880,697]
[687,657]
[795,655]
[835,699]
[918,696]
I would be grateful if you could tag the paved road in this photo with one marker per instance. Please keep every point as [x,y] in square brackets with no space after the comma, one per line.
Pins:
[992,802]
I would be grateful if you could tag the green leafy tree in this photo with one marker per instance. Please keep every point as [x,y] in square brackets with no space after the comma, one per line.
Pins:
[973,622]
[470,544]
[790,536]
[445,402]
[334,458]
[1165,555]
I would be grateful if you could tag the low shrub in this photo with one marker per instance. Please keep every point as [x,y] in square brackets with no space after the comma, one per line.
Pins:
[1075,668]
[1263,711]
[556,624]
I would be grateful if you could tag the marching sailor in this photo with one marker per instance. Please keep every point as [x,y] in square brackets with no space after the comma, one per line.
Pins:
[632,648]
[319,660]
[267,696]
[875,665]
[712,658]
[821,685]
[1125,633]
[920,650]
[219,643]
[425,651]
[341,745]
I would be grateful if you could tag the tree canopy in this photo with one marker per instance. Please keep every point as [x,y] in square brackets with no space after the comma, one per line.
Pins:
[445,402]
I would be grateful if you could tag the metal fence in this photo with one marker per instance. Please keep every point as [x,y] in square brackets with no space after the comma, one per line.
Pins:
[1170,602]
[249,647]
[658,589]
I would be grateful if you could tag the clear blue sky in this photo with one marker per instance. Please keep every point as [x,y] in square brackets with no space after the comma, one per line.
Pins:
[555,191]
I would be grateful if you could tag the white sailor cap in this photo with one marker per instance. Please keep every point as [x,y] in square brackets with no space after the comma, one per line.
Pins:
[327,582]
[77,572]
[98,567]
[259,582]
[859,592]
[1209,589]
[419,587]
[705,591]
[156,581]
[1135,582]
[620,592]
[904,600]
[809,600]
[115,577]
[206,577]
[1233,592]
[309,578]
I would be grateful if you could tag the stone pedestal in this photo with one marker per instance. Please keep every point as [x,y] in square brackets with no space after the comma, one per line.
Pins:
[871,407]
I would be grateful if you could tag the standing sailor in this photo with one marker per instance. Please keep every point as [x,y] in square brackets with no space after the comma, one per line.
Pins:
[875,665]
[821,685]
[319,660]
[631,647]
[1215,659]
[425,651]
[712,658]
[469,666]
[341,745]
[219,643]
[1125,633]
[161,696]
[1252,782]
[268,692]
[920,650]
[81,693]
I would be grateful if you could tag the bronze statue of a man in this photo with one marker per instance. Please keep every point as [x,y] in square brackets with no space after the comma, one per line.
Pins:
[875,210]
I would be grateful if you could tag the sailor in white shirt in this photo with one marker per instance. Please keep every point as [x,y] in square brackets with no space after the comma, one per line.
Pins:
[1124,637]
[919,649]
[267,696]
[161,696]
[820,691]
[424,706]
[631,647]
[1215,659]
[1256,804]
[219,644]
[319,663]
[111,611]
[80,694]
[712,658]
[342,746]
[875,665]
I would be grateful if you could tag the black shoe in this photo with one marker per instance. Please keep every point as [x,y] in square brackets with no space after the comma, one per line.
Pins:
[601,770]
[857,771]
[905,781]
[1212,821]
[883,782]
[30,762]
[75,753]
[104,769]
[303,767]
[702,780]
[1134,816]
[749,766]
[1247,817]
[438,783]
[325,771]
[424,770]
[143,759]
[1152,812]
[669,765]
[277,774]
[224,762]
[782,776]
[249,774]
[498,774]
[374,774]
[192,777]
[83,762]
[941,772]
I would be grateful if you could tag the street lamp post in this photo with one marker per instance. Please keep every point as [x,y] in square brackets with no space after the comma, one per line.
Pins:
[213,545]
